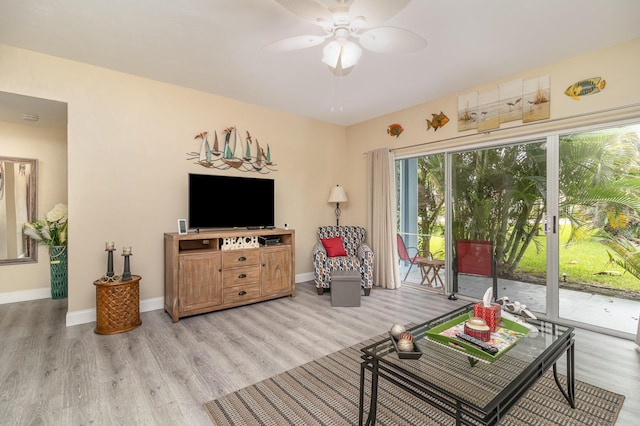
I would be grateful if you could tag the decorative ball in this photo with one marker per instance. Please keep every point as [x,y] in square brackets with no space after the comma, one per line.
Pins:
[397,329]
[405,345]
[406,335]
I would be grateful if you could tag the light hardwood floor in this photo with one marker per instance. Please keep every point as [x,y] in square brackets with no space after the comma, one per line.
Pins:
[162,373]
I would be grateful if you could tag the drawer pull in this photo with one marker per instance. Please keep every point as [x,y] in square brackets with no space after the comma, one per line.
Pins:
[242,293]
[242,259]
[242,276]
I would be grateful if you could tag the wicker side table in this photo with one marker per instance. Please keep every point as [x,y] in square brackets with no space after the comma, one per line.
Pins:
[117,306]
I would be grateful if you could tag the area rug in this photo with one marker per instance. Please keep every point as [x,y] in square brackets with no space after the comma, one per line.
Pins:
[326,392]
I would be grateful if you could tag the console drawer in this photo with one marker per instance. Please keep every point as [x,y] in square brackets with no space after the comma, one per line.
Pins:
[241,294]
[238,258]
[240,276]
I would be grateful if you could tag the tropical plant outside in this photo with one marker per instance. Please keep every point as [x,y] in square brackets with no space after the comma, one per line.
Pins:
[499,197]
[430,199]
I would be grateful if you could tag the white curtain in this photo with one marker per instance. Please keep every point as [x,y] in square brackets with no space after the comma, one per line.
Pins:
[381,218]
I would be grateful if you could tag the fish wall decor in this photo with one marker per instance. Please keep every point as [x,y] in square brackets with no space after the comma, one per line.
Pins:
[585,87]
[437,121]
[395,130]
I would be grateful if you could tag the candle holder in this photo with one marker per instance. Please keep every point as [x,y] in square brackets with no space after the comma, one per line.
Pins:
[110,276]
[126,274]
[110,248]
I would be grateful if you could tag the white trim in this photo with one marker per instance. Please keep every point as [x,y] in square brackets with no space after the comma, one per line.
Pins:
[24,295]
[89,315]
[307,276]
[152,304]
[81,317]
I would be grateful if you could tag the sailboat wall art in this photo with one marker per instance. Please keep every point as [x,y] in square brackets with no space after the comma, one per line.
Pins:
[235,153]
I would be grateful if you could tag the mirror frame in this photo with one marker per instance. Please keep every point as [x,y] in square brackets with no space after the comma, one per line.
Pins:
[32,212]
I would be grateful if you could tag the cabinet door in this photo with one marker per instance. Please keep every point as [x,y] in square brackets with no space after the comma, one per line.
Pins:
[200,281]
[276,270]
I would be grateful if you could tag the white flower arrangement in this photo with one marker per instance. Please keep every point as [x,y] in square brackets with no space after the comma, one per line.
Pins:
[52,231]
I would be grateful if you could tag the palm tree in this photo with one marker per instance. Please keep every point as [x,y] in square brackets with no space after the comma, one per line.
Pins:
[430,198]
[499,196]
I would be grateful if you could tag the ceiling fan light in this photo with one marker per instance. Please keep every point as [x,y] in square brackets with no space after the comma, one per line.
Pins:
[331,54]
[351,53]
[339,71]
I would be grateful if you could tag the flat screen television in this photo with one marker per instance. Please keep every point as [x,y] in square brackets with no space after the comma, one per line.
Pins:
[230,202]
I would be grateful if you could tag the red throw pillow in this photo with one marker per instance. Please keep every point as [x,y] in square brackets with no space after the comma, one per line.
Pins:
[333,246]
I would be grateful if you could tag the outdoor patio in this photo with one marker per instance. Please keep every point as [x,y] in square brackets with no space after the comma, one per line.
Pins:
[596,309]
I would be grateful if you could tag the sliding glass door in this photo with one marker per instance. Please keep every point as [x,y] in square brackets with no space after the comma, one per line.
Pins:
[558,215]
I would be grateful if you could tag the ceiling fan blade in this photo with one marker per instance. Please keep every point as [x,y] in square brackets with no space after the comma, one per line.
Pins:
[377,11]
[309,10]
[391,40]
[294,43]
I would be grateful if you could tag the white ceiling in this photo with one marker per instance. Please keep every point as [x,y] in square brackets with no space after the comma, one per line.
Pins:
[215,46]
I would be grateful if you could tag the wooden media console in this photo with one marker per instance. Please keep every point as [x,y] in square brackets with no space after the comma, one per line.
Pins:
[212,270]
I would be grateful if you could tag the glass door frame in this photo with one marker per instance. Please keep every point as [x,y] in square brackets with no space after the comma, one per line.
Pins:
[552,227]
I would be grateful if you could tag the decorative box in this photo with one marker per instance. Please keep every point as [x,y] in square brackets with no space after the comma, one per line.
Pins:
[478,328]
[492,315]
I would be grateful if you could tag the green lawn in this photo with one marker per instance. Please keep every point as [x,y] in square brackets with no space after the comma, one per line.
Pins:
[581,261]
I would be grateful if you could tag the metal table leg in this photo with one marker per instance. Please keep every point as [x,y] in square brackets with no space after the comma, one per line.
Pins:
[373,404]
[570,393]
[361,405]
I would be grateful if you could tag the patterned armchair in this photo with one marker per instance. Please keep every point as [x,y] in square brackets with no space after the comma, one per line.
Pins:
[359,256]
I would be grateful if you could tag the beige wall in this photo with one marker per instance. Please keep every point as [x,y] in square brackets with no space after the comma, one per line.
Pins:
[49,147]
[127,168]
[127,139]
[618,65]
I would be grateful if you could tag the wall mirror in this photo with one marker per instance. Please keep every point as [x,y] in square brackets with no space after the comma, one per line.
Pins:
[18,178]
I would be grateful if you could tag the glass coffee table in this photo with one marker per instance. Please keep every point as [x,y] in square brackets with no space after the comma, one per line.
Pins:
[453,381]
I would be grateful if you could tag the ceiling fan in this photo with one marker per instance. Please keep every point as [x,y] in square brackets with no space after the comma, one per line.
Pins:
[344,21]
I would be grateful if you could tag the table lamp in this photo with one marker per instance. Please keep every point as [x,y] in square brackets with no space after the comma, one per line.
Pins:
[338,195]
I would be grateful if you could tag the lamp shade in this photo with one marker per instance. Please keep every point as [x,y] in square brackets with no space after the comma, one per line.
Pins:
[341,55]
[351,53]
[331,54]
[338,195]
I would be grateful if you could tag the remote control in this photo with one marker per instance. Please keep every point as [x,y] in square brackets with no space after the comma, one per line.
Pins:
[477,342]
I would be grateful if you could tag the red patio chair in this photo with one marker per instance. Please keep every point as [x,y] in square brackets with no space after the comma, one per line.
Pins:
[404,255]
[474,257]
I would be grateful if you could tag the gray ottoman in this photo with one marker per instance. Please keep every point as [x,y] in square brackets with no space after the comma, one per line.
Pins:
[345,288]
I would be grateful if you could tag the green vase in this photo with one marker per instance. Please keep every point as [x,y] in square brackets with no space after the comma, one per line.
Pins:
[58,263]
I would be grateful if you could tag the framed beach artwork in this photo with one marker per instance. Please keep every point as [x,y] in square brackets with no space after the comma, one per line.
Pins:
[536,99]
[467,112]
[511,101]
[489,110]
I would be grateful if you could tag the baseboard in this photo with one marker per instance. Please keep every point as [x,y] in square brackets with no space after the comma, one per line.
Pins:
[24,295]
[89,315]
[307,276]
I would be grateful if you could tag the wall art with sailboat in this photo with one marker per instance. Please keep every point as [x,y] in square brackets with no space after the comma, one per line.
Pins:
[243,154]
